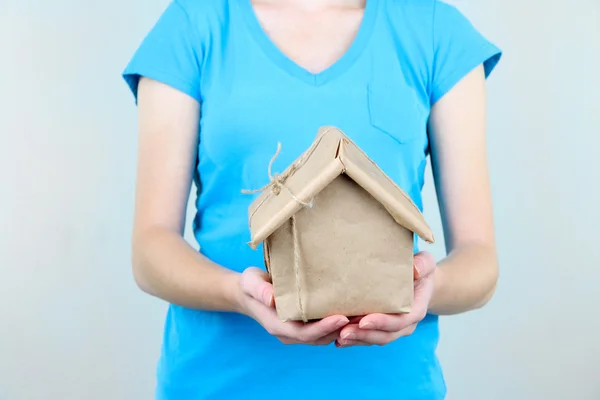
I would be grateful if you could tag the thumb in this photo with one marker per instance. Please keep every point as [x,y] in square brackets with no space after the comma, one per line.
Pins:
[256,283]
[424,264]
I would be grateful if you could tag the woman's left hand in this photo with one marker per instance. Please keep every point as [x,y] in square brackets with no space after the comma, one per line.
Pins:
[381,329]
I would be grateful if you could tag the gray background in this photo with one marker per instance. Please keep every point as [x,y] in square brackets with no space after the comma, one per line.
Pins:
[73,324]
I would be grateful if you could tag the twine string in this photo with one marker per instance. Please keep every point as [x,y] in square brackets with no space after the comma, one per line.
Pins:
[297,268]
[277,183]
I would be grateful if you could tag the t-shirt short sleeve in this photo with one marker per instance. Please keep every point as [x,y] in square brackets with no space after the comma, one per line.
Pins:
[170,53]
[458,48]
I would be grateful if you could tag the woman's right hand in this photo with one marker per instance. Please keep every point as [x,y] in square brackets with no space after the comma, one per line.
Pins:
[257,301]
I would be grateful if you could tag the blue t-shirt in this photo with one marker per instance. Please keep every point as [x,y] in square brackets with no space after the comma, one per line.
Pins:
[406,56]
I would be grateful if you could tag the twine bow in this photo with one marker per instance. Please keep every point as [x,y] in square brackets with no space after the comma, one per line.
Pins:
[277,181]
[277,184]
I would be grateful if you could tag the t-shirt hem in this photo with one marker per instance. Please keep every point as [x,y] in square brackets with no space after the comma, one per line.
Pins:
[132,77]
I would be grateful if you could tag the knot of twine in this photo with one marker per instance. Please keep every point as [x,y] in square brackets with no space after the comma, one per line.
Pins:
[276,185]
[277,181]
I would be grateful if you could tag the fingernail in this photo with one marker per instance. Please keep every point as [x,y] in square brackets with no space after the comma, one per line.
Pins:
[366,325]
[349,336]
[417,273]
[269,301]
[341,322]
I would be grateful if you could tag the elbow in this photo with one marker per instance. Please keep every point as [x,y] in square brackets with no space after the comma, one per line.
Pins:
[490,286]
[140,268]
[487,297]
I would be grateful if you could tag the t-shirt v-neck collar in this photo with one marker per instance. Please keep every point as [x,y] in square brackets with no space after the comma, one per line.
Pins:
[283,61]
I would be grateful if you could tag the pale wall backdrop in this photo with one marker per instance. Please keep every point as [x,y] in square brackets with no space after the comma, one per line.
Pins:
[73,324]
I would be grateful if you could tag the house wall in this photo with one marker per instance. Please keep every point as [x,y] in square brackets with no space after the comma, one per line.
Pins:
[73,324]
[333,237]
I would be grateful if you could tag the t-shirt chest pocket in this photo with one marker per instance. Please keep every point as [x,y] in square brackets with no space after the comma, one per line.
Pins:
[396,110]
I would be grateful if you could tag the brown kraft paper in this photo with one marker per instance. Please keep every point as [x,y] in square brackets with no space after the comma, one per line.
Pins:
[338,234]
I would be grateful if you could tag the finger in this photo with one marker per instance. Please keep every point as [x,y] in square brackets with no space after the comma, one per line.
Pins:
[362,338]
[256,283]
[297,332]
[314,331]
[320,329]
[326,340]
[397,322]
[409,330]
[287,340]
[321,342]
[424,264]
[367,336]
[266,316]
[384,322]
[351,343]
[423,294]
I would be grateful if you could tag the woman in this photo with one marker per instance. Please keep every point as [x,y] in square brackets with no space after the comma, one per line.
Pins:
[218,83]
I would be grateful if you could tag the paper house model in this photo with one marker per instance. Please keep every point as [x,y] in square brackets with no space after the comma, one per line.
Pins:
[337,234]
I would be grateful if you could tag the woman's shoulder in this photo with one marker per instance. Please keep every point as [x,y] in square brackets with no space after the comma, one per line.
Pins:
[410,8]
[442,39]
[174,50]
[204,12]
[432,23]
[422,13]
[410,21]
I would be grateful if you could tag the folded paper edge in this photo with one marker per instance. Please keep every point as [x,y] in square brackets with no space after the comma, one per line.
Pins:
[334,169]
[407,214]
[401,207]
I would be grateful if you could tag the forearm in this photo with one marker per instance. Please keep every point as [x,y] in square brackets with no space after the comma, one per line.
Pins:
[465,280]
[167,267]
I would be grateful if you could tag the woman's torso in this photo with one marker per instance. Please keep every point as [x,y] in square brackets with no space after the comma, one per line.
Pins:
[378,77]
[254,96]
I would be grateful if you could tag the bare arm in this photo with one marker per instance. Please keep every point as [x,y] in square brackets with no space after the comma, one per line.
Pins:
[466,278]
[164,264]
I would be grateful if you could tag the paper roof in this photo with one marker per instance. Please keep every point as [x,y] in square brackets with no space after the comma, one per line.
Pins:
[331,155]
